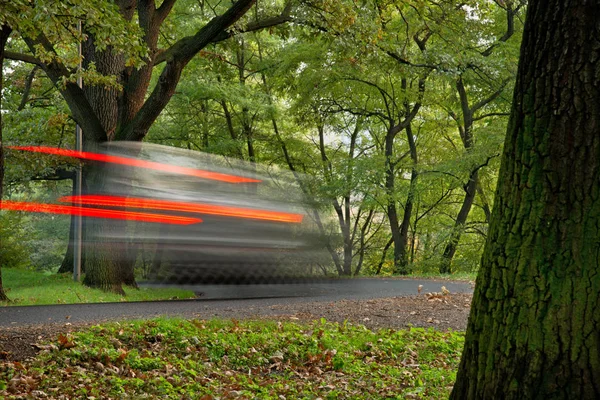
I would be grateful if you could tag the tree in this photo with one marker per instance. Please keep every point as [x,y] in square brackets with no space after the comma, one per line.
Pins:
[125,107]
[472,111]
[5,31]
[534,328]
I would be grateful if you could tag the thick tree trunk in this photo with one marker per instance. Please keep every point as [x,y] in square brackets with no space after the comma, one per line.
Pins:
[534,328]
[5,31]
[104,252]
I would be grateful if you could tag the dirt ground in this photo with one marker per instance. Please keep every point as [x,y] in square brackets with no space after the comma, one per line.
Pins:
[425,310]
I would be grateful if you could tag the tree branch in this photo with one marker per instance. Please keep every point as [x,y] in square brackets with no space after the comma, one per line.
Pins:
[27,89]
[164,10]
[81,109]
[282,18]
[510,27]
[490,98]
[28,58]
[177,58]
[494,114]
[404,61]
[413,113]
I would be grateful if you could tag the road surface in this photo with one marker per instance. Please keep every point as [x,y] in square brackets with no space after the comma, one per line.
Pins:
[213,300]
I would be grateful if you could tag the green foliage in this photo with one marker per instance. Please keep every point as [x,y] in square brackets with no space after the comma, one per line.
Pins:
[57,21]
[215,359]
[38,240]
[13,253]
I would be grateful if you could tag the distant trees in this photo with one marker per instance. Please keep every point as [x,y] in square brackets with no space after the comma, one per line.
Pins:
[534,327]
[391,118]
[415,93]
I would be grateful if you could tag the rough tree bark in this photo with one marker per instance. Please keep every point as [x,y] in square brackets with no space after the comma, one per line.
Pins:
[534,328]
[5,31]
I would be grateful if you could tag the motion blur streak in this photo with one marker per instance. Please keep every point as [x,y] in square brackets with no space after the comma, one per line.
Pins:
[227,211]
[133,162]
[97,213]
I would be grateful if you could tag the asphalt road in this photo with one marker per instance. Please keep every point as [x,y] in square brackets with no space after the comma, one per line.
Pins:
[212,300]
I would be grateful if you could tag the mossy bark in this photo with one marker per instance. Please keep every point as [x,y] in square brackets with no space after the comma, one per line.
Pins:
[534,328]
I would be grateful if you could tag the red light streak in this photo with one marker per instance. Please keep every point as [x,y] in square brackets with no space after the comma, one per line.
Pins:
[97,213]
[228,211]
[84,155]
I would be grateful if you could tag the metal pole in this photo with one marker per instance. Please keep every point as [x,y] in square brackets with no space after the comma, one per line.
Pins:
[78,220]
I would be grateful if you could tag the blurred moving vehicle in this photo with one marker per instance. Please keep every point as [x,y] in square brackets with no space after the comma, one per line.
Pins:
[199,218]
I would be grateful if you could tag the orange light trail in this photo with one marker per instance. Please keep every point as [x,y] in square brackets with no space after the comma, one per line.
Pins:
[228,211]
[97,213]
[133,162]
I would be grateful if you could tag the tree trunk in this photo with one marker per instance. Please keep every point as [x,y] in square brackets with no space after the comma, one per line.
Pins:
[466,134]
[399,228]
[383,255]
[5,31]
[408,206]
[103,255]
[392,211]
[459,223]
[534,328]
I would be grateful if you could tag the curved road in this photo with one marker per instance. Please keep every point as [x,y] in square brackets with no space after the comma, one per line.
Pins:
[243,300]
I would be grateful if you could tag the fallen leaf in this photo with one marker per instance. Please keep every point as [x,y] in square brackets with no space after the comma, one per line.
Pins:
[65,342]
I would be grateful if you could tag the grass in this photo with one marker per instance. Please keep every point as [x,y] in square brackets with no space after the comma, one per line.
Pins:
[180,359]
[457,276]
[27,287]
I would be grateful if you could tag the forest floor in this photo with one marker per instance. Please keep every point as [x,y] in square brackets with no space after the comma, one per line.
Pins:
[441,312]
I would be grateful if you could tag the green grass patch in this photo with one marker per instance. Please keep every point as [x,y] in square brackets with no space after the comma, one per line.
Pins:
[457,276]
[26,287]
[179,359]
